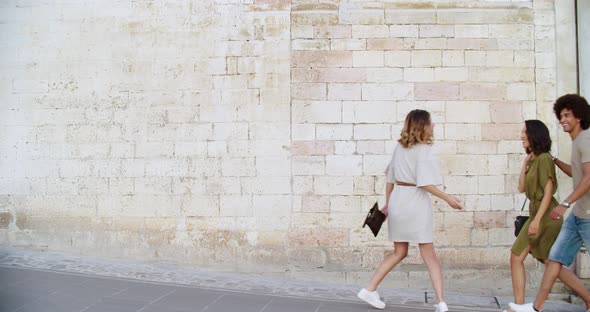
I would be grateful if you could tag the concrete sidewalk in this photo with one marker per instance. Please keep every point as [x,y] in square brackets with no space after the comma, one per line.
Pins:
[41,281]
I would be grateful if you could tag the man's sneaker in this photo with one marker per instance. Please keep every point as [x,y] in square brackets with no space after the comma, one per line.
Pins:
[372,298]
[527,307]
[441,307]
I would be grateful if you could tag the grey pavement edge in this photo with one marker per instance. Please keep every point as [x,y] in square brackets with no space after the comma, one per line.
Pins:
[49,281]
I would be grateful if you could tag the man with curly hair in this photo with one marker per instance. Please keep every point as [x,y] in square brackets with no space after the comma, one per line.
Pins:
[573,113]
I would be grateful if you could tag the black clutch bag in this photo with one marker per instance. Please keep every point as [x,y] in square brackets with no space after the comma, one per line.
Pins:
[374,219]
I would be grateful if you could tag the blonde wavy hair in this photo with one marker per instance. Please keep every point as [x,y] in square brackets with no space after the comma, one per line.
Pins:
[415,129]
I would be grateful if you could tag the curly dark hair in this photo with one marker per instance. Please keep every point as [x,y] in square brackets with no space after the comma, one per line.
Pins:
[538,135]
[577,104]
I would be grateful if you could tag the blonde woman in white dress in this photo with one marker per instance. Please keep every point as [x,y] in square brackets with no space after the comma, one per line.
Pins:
[412,175]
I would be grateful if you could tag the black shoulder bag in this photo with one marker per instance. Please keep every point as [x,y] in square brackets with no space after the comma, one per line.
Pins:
[519,221]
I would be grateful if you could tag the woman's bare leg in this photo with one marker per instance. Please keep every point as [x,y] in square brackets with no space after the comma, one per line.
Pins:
[434,269]
[400,251]
[518,275]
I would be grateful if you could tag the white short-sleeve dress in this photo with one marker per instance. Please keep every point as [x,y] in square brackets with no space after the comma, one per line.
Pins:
[409,216]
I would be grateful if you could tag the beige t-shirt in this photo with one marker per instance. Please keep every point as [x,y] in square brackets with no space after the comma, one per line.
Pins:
[580,155]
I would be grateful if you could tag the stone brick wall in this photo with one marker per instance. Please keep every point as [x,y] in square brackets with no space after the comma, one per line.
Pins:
[252,135]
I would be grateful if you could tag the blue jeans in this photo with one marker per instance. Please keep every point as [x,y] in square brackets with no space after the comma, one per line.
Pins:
[574,232]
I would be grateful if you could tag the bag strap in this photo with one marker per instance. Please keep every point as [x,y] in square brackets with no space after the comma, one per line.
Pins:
[521,209]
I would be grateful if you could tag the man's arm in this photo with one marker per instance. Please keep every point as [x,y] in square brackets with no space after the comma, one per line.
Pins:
[566,168]
[580,190]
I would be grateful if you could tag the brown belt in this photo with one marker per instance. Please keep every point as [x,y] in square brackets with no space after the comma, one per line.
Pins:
[404,184]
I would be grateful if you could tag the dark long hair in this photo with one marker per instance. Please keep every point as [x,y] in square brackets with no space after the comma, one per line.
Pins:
[577,104]
[538,135]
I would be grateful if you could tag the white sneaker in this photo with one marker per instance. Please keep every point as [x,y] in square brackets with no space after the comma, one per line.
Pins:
[527,307]
[372,298]
[441,307]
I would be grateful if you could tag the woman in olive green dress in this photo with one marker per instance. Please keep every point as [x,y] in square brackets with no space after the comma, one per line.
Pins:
[538,181]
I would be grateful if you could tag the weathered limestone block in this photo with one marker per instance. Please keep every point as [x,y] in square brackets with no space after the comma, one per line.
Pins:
[334,132]
[371,147]
[463,164]
[410,16]
[308,165]
[344,91]
[344,165]
[504,202]
[370,31]
[372,132]
[583,263]
[367,59]
[493,16]
[310,91]
[420,74]
[436,91]
[483,148]
[454,219]
[454,237]
[479,237]
[501,236]
[494,132]
[384,75]
[314,14]
[344,259]
[460,184]
[482,91]
[324,185]
[271,205]
[491,184]
[504,74]
[273,166]
[425,43]
[344,147]
[468,112]
[315,203]
[306,258]
[489,219]
[345,204]
[332,31]
[348,44]
[369,112]
[200,205]
[309,148]
[321,59]
[361,13]
[266,185]
[450,74]
[329,75]
[388,91]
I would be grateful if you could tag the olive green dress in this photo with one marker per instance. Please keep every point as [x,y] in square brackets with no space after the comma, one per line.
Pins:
[541,169]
